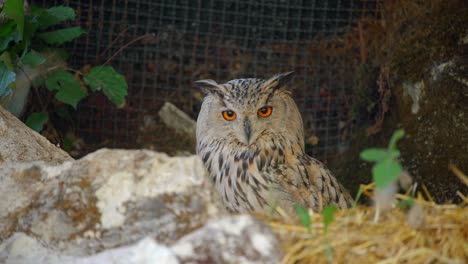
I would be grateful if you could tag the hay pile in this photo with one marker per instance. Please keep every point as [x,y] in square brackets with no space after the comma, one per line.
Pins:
[427,233]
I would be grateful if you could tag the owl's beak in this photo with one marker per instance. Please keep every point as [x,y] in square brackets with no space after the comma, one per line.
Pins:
[247,130]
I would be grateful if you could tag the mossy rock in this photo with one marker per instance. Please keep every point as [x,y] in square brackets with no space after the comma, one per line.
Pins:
[436,136]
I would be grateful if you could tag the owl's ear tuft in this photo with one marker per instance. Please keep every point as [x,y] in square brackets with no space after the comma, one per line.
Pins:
[211,87]
[278,81]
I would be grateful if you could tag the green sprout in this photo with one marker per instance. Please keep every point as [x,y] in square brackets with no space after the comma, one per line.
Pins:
[387,168]
[328,216]
[304,216]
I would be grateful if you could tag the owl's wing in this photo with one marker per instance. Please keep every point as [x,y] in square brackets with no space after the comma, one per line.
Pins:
[311,184]
[330,191]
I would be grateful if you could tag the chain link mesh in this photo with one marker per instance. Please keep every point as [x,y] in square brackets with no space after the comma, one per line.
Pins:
[163,46]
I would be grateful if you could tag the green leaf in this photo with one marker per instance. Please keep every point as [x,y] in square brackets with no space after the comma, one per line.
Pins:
[61,36]
[377,154]
[67,144]
[374,154]
[304,216]
[53,16]
[385,173]
[62,112]
[33,58]
[7,28]
[69,88]
[329,251]
[37,11]
[358,197]
[397,135]
[6,78]
[30,28]
[112,83]
[14,9]
[5,41]
[5,57]
[36,121]
[407,203]
[328,213]
[394,153]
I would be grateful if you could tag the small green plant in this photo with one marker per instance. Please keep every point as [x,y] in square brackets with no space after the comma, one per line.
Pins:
[387,168]
[30,45]
[328,214]
[304,216]
[385,172]
[406,203]
[357,198]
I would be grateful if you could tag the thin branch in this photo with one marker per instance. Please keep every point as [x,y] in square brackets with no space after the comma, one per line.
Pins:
[115,40]
[149,35]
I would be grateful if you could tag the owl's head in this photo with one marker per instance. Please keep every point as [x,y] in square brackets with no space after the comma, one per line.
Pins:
[249,112]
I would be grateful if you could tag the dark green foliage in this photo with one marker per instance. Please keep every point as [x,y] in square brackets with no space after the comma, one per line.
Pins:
[69,88]
[25,38]
[112,83]
[32,58]
[36,121]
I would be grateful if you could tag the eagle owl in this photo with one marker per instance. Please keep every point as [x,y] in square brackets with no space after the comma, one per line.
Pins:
[251,140]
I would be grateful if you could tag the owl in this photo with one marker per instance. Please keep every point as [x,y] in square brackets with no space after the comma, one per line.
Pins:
[250,137]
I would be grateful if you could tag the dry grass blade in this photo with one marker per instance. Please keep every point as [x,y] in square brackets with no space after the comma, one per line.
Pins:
[355,238]
[459,174]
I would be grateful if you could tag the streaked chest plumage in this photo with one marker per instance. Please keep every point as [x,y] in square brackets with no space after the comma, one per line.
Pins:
[245,177]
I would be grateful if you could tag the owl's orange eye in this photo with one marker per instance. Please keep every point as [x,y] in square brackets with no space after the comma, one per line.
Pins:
[229,115]
[265,111]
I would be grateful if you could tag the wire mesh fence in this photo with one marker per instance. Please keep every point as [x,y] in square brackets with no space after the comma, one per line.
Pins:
[163,46]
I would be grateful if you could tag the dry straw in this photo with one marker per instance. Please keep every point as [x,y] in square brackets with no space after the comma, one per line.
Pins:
[426,233]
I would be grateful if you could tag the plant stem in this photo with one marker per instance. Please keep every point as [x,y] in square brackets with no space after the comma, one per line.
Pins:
[149,35]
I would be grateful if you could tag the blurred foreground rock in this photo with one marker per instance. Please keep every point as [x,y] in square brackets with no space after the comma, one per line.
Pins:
[235,239]
[109,206]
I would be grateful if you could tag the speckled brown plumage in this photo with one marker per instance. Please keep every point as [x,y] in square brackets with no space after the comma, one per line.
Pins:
[256,162]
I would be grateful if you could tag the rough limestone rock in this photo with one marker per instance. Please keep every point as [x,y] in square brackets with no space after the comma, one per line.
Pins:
[234,239]
[20,143]
[21,248]
[108,199]
[239,239]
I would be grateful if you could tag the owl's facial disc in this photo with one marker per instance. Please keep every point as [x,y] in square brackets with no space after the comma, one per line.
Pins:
[247,123]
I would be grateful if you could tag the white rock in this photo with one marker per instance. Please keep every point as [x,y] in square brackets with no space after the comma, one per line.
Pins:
[99,208]
[110,198]
[21,248]
[234,239]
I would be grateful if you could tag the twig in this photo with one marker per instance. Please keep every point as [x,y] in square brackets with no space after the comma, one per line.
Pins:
[115,40]
[149,35]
